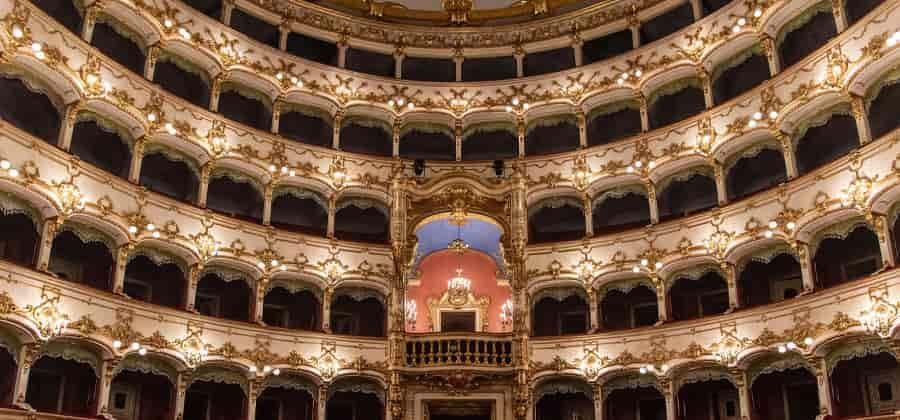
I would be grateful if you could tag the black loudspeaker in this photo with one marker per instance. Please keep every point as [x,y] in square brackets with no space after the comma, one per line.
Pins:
[419,167]
[499,168]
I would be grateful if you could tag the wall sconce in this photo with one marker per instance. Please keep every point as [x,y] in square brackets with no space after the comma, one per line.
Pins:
[411,314]
[506,313]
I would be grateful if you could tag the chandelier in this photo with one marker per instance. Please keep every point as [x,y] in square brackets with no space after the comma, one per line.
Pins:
[458,287]
[459,282]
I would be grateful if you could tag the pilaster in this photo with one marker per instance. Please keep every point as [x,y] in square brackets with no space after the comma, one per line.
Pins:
[259,293]
[181,394]
[342,45]
[706,84]
[883,229]
[48,234]
[840,16]
[227,8]
[820,369]
[721,187]
[107,369]
[122,255]
[806,267]
[662,299]
[326,309]
[137,159]
[520,135]
[519,55]
[267,203]
[203,189]
[336,130]
[395,137]
[276,115]
[768,47]
[581,119]
[27,354]
[90,20]
[697,8]
[645,111]
[458,59]
[332,209]
[588,216]
[399,55]
[190,292]
[216,91]
[860,114]
[734,296]
[68,126]
[652,202]
[150,62]
[284,29]
[787,150]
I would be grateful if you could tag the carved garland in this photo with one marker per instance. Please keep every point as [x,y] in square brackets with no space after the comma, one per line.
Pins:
[248,93]
[625,286]
[612,108]
[802,19]
[362,203]
[359,294]
[367,122]
[766,255]
[34,84]
[226,274]
[704,375]
[489,127]
[185,65]
[426,127]
[750,152]
[559,294]
[551,121]
[891,78]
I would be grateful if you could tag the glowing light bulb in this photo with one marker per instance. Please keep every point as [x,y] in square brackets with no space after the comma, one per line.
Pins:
[37,47]
[644,262]
[5,164]
[116,344]
[168,23]
[17,32]
[808,341]
[135,345]
[184,33]
[742,21]
[791,225]
[773,224]
[142,351]
[132,229]
[757,12]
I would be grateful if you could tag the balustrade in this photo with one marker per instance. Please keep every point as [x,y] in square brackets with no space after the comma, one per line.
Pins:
[468,350]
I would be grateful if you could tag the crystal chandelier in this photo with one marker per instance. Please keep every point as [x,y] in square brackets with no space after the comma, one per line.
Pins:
[459,283]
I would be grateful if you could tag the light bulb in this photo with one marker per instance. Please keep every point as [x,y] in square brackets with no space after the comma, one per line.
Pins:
[742,21]
[757,116]
[757,12]
[168,23]
[37,47]
[17,32]
[791,225]
[782,349]
[142,351]
[773,114]
[644,262]
[132,229]
[791,345]
[5,164]
[116,344]
[808,341]
[658,265]
[135,345]
[151,227]
[773,224]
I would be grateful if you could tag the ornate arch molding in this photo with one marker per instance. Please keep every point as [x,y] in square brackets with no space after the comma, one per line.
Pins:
[426,127]
[550,121]
[490,126]
[776,363]
[307,110]
[360,294]
[292,382]
[685,175]
[220,375]
[10,343]
[149,365]
[819,119]
[362,203]
[559,293]
[750,151]
[563,386]
[736,60]
[630,381]
[300,193]
[158,257]
[88,234]
[294,286]
[693,273]
[619,192]
[238,177]
[705,374]
[890,78]
[173,155]
[840,230]
[766,255]
[625,286]
[122,29]
[801,19]
[612,108]
[857,350]
[358,385]
[368,122]
[35,84]
[673,88]
[108,125]
[185,65]
[74,352]
[227,274]
[555,203]
[458,199]
[247,92]
[12,205]
[893,214]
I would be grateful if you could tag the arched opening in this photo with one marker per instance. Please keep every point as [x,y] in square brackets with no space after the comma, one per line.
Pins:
[881,107]
[171,177]
[141,395]
[362,315]
[313,49]
[355,399]
[769,280]
[299,211]
[629,308]
[60,386]
[613,122]
[427,143]
[8,371]
[255,27]
[306,128]
[560,314]
[705,296]
[667,23]
[674,102]
[86,261]
[552,135]
[866,385]
[429,69]
[297,310]
[806,33]
[235,197]
[286,401]
[785,394]
[19,238]
[684,196]
[823,143]
[211,8]
[841,260]
[548,61]
[246,106]
[367,137]
[28,109]
[752,173]
[484,143]
[361,220]
[215,401]
[615,212]
[120,43]
[178,77]
[555,220]
[563,399]
[710,399]
[63,11]
[640,403]
[480,69]
[858,9]
[160,283]
[370,62]
[223,298]
[101,146]
[607,46]
[740,74]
